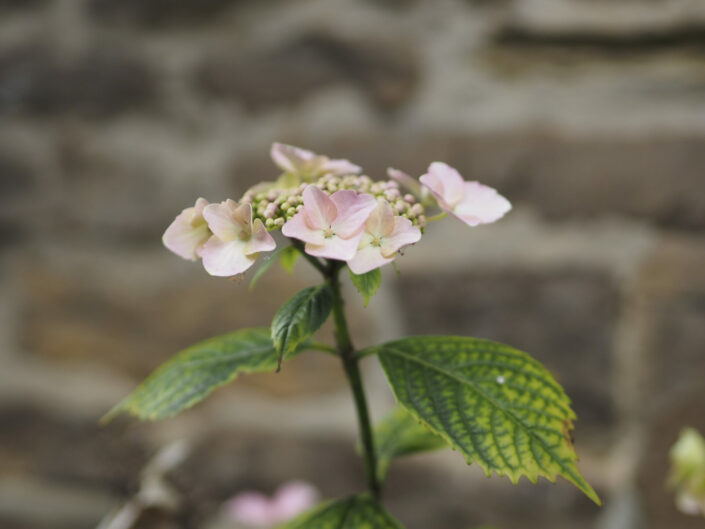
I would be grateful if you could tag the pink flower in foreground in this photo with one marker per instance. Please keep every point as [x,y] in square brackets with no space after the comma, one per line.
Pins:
[331,226]
[384,235]
[257,510]
[471,202]
[236,240]
[188,232]
[291,159]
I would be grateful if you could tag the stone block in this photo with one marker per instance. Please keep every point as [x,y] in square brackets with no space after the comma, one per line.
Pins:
[99,83]
[385,71]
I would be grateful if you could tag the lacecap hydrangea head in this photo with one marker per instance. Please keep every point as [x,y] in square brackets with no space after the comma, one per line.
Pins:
[327,204]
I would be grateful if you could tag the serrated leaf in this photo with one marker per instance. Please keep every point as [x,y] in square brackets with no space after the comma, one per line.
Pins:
[300,317]
[496,405]
[267,263]
[289,257]
[194,372]
[367,284]
[355,512]
[400,434]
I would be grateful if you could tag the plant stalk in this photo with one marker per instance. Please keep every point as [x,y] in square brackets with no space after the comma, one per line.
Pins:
[352,372]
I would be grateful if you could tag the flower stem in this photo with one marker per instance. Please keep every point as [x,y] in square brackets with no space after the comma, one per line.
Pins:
[352,371]
[434,218]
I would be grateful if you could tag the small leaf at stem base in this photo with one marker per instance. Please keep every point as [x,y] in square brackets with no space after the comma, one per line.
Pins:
[355,512]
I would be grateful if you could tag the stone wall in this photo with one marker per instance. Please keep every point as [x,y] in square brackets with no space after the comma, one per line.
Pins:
[115,114]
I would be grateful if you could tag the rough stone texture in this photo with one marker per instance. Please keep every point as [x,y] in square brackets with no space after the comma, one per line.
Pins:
[96,84]
[385,71]
[115,115]
[159,13]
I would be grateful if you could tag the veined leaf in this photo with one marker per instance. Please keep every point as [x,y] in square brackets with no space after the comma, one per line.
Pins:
[194,372]
[356,512]
[300,317]
[496,405]
[400,434]
[289,257]
[367,284]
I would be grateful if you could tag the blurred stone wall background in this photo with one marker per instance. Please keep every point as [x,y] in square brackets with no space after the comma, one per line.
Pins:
[115,114]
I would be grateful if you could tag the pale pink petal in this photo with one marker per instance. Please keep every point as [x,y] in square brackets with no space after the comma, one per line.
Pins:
[320,210]
[261,240]
[241,214]
[183,237]
[405,180]
[201,203]
[380,223]
[353,211]
[445,183]
[367,259]
[288,158]
[336,247]
[340,167]
[297,227]
[294,498]
[225,258]
[220,220]
[252,509]
[481,204]
[404,233]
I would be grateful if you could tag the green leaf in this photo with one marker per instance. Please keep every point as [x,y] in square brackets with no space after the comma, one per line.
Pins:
[300,317]
[355,512]
[496,405]
[289,257]
[267,262]
[194,372]
[367,284]
[401,434]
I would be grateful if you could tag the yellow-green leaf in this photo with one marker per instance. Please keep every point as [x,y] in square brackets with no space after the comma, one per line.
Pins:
[367,284]
[400,434]
[289,257]
[355,512]
[193,373]
[496,405]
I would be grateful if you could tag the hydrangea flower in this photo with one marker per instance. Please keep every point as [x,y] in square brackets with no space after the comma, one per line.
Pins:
[305,163]
[256,510]
[385,234]
[338,213]
[331,225]
[471,202]
[236,241]
[188,232]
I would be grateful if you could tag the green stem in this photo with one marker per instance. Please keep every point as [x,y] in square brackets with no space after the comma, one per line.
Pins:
[314,262]
[434,218]
[352,371]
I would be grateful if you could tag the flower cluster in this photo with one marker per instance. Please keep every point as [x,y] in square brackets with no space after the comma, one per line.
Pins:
[338,213]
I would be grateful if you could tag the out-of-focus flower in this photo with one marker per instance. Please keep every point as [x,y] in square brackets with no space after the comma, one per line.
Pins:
[331,226]
[687,475]
[256,510]
[307,164]
[236,240]
[471,202]
[188,232]
[384,235]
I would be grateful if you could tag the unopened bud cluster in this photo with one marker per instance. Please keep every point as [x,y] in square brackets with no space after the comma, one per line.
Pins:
[276,205]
